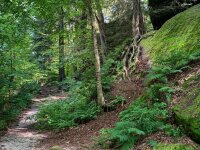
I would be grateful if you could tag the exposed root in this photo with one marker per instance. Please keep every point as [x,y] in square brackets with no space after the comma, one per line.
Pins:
[131,57]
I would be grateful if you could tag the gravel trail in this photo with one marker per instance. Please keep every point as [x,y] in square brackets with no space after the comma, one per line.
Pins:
[19,136]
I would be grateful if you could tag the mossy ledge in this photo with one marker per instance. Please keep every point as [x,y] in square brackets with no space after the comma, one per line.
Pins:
[177,42]
[162,146]
[187,113]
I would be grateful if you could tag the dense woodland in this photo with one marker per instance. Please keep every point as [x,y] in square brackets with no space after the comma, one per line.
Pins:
[128,70]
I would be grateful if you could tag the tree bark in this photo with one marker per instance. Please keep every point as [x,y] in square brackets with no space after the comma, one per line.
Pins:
[133,54]
[138,20]
[101,26]
[100,96]
[62,75]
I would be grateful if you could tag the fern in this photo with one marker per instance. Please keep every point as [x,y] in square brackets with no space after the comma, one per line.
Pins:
[135,122]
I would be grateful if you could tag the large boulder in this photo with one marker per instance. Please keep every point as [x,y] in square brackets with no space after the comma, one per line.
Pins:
[187,113]
[163,10]
[177,41]
[175,45]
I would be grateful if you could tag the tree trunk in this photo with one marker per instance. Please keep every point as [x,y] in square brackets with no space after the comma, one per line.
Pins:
[83,27]
[101,26]
[138,21]
[62,75]
[100,96]
[132,55]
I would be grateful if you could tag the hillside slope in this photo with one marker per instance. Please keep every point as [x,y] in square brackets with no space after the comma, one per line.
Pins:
[177,42]
[175,45]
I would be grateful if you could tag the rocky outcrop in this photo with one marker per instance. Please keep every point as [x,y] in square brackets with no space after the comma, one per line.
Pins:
[163,10]
[187,113]
[174,45]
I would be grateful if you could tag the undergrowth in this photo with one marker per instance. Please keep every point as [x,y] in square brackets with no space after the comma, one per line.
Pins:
[145,115]
[170,53]
[16,103]
[69,112]
[81,105]
[63,114]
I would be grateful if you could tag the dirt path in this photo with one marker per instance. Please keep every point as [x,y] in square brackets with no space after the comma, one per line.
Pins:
[19,136]
[82,136]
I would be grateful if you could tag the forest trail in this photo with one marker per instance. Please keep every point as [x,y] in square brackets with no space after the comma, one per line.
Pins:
[19,135]
[83,136]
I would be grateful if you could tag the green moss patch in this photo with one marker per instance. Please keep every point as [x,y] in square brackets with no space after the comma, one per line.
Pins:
[173,147]
[177,42]
[187,113]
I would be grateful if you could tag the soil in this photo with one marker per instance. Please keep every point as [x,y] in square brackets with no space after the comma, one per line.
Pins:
[20,136]
[161,137]
[83,136]
[178,80]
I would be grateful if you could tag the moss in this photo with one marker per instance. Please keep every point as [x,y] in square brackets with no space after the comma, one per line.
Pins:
[56,148]
[177,41]
[173,147]
[187,113]
[192,80]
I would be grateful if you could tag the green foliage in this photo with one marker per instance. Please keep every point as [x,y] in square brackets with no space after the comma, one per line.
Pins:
[146,115]
[152,143]
[138,120]
[157,82]
[76,109]
[187,112]
[119,100]
[16,103]
[177,42]
[178,146]
[3,125]
[159,92]
[63,114]
[172,131]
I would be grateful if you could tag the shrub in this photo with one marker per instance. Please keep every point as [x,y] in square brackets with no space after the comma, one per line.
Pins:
[63,114]
[13,105]
[119,100]
[3,125]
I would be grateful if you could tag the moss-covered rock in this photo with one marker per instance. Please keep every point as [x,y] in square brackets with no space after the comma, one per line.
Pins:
[187,113]
[163,10]
[173,147]
[177,42]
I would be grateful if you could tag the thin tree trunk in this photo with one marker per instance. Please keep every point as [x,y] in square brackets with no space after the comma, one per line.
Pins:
[101,26]
[62,75]
[100,96]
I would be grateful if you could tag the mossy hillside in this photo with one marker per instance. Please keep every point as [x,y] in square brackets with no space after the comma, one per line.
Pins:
[177,42]
[187,113]
[162,146]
